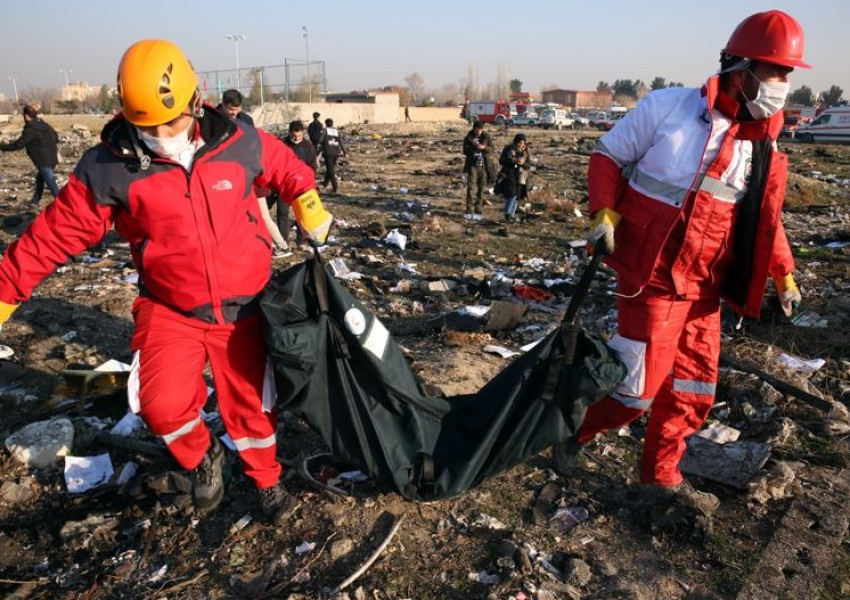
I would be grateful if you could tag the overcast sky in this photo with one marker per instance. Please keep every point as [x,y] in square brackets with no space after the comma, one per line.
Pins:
[380,42]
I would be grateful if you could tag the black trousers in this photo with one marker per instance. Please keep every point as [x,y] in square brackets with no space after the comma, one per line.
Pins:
[330,172]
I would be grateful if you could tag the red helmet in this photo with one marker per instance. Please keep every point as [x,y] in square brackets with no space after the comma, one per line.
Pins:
[772,37]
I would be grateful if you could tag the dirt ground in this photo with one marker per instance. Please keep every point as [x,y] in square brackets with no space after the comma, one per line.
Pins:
[784,537]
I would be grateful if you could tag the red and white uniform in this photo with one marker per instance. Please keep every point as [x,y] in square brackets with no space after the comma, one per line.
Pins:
[677,170]
[203,256]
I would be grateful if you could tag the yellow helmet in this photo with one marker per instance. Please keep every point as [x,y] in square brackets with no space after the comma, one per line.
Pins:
[156,82]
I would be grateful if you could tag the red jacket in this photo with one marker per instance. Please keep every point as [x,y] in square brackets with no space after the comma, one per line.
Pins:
[196,236]
[677,155]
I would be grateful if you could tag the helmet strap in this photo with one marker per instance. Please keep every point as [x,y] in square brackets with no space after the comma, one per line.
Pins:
[144,159]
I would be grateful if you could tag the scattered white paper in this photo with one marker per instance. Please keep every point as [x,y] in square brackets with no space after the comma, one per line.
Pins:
[720,433]
[128,471]
[805,367]
[158,575]
[6,352]
[577,243]
[69,336]
[132,278]
[397,239]
[500,350]
[472,217]
[837,245]
[531,345]
[83,473]
[304,547]
[403,190]
[112,366]
[476,310]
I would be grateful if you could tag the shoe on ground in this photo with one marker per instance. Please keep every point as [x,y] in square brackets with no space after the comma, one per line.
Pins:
[277,504]
[281,252]
[683,494]
[565,458]
[208,483]
[704,502]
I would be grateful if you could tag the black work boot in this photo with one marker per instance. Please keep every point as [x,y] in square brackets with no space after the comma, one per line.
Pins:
[208,484]
[565,457]
[277,504]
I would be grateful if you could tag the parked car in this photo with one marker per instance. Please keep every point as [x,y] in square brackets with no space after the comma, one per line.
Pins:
[832,125]
[555,117]
[594,116]
[527,118]
[579,121]
[607,124]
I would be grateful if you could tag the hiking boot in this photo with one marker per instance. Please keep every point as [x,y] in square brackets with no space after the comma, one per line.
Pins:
[683,494]
[704,502]
[277,504]
[565,457]
[208,484]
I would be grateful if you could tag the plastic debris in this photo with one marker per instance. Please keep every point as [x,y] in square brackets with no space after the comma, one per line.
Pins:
[804,367]
[567,518]
[396,239]
[500,350]
[484,577]
[241,523]
[6,352]
[128,471]
[304,547]
[83,473]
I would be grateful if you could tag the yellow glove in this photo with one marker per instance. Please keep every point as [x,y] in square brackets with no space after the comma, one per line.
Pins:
[6,311]
[312,217]
[602,231]
[788,293]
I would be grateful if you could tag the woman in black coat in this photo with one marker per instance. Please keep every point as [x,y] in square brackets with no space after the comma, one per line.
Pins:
[515,161]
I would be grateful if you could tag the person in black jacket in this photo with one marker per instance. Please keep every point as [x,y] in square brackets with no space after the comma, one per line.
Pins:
[231,105]
[315,130]
[477,146]
[331,147]
[306,153]
[515,161]
[41,143]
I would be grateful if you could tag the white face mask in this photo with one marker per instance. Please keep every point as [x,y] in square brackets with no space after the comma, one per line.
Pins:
[178,148]
[769,100]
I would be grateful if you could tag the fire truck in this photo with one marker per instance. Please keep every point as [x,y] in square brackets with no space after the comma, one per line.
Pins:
[492,111]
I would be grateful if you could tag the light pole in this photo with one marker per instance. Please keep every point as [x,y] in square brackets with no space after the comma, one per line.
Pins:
[14,81]
[307,54]
[236,38]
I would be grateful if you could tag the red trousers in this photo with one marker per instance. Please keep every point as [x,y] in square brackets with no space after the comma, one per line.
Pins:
[173,351]
[671,347]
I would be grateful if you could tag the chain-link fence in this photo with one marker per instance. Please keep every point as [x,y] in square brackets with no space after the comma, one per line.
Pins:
[293,81]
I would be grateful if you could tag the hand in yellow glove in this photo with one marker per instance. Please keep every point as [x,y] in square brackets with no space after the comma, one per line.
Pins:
[788,293]
[602,231]
[312,217]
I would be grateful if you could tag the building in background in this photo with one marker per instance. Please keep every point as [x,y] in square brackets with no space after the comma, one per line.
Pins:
[578,100]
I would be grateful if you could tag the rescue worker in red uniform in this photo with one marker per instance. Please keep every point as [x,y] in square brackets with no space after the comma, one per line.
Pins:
[686,193]
[176,178]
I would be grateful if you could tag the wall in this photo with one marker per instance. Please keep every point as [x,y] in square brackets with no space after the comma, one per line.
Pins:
[383,109]
[431,114]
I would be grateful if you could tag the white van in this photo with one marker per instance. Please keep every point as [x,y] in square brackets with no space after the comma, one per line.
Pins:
[555,117]
[832,125]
